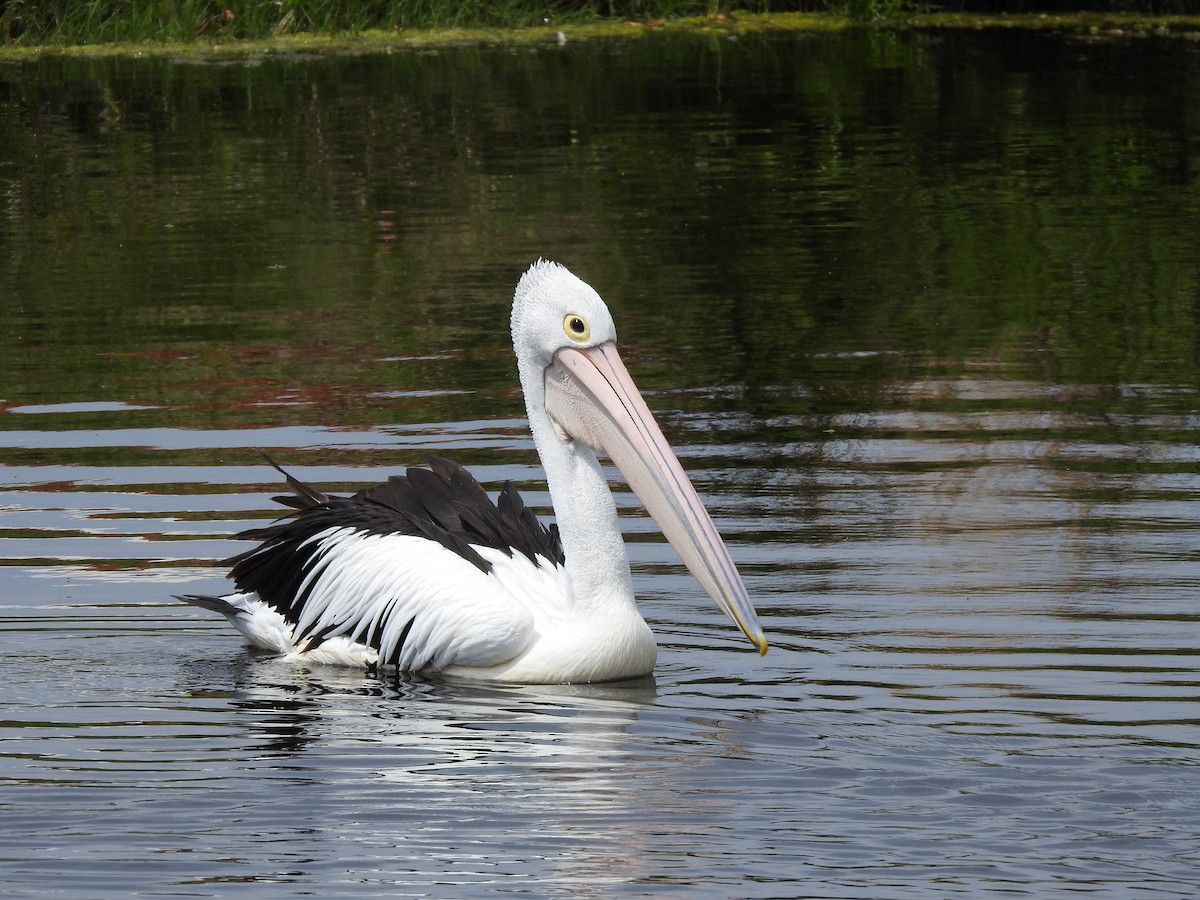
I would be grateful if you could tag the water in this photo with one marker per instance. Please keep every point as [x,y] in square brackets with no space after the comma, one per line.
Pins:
[918,311]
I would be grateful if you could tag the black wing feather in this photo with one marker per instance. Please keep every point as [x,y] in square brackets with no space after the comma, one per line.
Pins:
[525,532]
[305,495]
[443,503]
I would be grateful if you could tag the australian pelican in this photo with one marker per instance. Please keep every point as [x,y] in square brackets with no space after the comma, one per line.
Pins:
[424,573]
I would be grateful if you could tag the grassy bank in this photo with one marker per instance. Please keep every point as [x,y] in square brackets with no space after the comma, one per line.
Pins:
[105,26]
[67,22]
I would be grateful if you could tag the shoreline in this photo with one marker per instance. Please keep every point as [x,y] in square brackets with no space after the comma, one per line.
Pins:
[1098,25]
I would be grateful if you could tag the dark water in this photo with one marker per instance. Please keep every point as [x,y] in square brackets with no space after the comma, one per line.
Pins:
[919,312]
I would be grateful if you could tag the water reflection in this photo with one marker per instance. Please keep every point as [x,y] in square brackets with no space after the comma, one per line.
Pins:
[427,769]
[430,718]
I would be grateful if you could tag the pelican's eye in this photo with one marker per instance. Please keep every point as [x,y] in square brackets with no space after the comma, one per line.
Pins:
[576,327]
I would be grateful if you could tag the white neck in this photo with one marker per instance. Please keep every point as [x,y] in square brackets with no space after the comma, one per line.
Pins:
[583,507]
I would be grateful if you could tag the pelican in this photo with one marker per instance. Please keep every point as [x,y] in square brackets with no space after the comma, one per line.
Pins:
[426,574]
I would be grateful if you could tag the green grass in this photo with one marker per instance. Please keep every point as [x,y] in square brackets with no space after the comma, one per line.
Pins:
[877,10]
[91,23]
[62,22]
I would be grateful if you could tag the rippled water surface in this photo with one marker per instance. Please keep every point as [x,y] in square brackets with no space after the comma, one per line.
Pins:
[919,312]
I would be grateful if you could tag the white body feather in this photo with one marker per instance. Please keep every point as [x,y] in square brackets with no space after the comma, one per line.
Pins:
[517,623]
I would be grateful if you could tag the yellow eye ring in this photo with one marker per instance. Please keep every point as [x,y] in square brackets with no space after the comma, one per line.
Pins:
[576,327]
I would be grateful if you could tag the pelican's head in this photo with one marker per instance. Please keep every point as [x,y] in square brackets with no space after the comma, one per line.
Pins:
[553,309]
[565,342]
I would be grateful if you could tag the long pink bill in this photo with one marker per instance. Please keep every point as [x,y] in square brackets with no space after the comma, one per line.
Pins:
[590,394]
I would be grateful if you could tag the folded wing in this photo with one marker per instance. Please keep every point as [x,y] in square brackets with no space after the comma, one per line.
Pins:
[420,572]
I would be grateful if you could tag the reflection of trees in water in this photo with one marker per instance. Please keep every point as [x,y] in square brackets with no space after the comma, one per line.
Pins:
[799,200]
